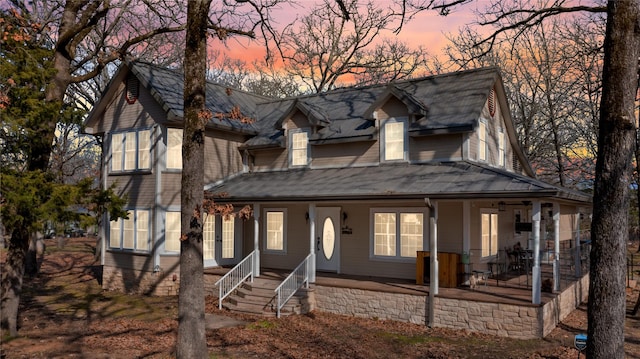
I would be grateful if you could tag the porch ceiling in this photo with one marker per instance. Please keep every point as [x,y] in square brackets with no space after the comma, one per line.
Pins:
[459,180]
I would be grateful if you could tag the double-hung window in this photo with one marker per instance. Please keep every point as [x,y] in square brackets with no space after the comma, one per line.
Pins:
[397,233]
[489,232]
[174,148]
[131,151]
[482,140]
[501,148]
[394,140]
[275,234]
[131,233]
[298,148]
[172,228]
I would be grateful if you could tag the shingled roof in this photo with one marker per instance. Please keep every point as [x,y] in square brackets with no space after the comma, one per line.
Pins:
[455,180]
[443,103]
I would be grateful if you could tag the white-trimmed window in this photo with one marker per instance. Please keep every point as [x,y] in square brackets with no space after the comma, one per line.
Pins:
[397,233]
[394,140]
[131,233]
[275,235]
[501,148]
[172,227]
[228,233]
[131,151]
[209,236]
[174,148]
[489,232]
[298,148]
[482,141]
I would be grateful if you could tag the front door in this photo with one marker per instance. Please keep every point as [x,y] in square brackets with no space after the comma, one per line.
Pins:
[328,239]
[228,240]
[221,244]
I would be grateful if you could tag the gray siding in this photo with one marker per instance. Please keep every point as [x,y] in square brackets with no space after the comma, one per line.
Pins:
[140,189]
[268,160]
[222,157]
[119,114]
[127,260]
[435,148]
[345,154]
[171,186]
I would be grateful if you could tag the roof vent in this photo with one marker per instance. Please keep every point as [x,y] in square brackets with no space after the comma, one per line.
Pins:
[492,102]
[133,86]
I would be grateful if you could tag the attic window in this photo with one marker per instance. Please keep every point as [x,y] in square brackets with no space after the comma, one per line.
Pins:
[133,86]
[492,102]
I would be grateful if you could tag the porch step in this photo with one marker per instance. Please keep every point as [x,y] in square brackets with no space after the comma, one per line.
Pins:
[258,297]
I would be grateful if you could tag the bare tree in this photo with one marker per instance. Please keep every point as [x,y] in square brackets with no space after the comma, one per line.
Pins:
[609,229]
[191,325]
[259,77]
[325,46]
[549,73]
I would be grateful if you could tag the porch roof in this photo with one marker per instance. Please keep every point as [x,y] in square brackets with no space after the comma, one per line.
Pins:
[455,180]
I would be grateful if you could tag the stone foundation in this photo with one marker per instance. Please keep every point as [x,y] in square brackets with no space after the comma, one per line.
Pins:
[149,283]
[525,321]
[138,282]
[370,304]
[558,308]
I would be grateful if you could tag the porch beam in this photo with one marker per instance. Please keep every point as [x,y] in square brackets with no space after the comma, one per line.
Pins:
[556,247]
[312,242]
[535,271]
[256,239]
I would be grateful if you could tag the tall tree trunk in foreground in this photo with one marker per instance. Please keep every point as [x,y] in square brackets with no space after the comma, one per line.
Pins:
[12,277]
[606,306]
[191,328]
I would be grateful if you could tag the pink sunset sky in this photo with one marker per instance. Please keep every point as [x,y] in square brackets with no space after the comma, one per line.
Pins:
[427,29]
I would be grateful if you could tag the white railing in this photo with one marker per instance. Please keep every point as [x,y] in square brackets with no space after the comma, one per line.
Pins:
[295,281]
[232,280]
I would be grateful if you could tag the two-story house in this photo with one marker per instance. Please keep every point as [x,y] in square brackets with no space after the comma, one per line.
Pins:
[359,179]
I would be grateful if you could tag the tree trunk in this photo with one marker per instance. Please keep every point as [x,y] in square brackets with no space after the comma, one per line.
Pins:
[191,324]
[609,230]
[12,277]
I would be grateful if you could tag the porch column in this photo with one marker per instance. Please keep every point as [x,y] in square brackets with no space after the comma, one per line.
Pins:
[466,232]
[535,271]
[433,255]
[556,247]
[312,242]
[256,239]
[576,248]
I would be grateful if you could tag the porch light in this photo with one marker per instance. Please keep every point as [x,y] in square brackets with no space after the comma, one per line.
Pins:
[502,206]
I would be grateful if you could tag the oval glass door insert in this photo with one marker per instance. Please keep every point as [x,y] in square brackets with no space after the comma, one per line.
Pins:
[328,238]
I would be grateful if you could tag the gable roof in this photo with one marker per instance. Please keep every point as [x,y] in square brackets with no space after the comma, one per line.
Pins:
[445,103]
[457,180]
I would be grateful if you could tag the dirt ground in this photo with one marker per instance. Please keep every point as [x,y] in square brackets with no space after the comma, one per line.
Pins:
[65,314]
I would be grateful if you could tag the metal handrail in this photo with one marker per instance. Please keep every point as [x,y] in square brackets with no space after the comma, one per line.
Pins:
[293,282]
[232,280]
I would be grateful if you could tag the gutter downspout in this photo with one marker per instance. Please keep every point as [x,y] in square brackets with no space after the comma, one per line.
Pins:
[433,255]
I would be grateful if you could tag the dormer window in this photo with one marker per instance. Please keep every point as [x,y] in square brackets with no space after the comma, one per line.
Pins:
[298,147]
[394,140]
